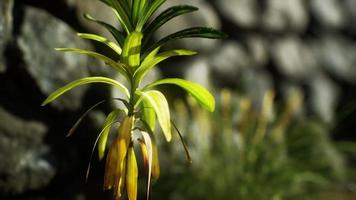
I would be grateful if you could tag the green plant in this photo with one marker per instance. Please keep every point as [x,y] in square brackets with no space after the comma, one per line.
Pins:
[245,153]
[135,55]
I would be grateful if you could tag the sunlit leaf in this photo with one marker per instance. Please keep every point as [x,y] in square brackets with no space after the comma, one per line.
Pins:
[106,130]
[131,174]
[102,40]
[148,114]
[118,66]
[202,95]
[132,49]
[118,35]
[160,105]
[83,81]
[121,11]
[151,10]
[151,61]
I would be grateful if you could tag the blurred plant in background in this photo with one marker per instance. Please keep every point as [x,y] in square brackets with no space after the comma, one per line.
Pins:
[241,153]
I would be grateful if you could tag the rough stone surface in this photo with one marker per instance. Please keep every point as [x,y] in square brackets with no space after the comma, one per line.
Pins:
[285,15]
[294,58]
[243,13]
[206,16]
[5,28]
[198,71]
[330,13]
[49,68]
[230,60]
[337,55]
[24,158]
[97,10]
[324,97]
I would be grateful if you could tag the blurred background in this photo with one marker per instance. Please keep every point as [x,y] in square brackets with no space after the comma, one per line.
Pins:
[284,81]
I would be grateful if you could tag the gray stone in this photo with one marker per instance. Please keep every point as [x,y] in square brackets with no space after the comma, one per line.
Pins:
[337,55]
[350,8]
[294,59]
[230,60]
[40,34]
[258,50]
[5,28]
[324,97]
[329,13]
[205,16]
[243,13]
[282,15]
[198,71]
[97,10]
[256,84]
[24,158]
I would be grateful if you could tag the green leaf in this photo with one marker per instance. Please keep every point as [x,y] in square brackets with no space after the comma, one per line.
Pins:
[110,119]
[196,32]
[138,9]
[151,10]
[132,49]
[148,115]
[160,105]
[102,40]
[152,60]
[74,127]
[164,17]
[118,35]
[83,81]
[121,11]
[202,95]
[118,66]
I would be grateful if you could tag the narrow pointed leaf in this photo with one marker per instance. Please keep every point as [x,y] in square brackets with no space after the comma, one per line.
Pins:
[164,17]
[189,158]
[151,10]
[118,35]
[102,40]
[92,151]
[77,123]
[74,127]
[148,143]
[106,130]
[136,10]
[202,95]
[119,67]
[83,81]
[151,61]
[121,11]
[196,32]
[132,49]
[160,105]
[131,175]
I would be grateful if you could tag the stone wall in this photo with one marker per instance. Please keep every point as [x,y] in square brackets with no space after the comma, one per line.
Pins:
[309,45]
